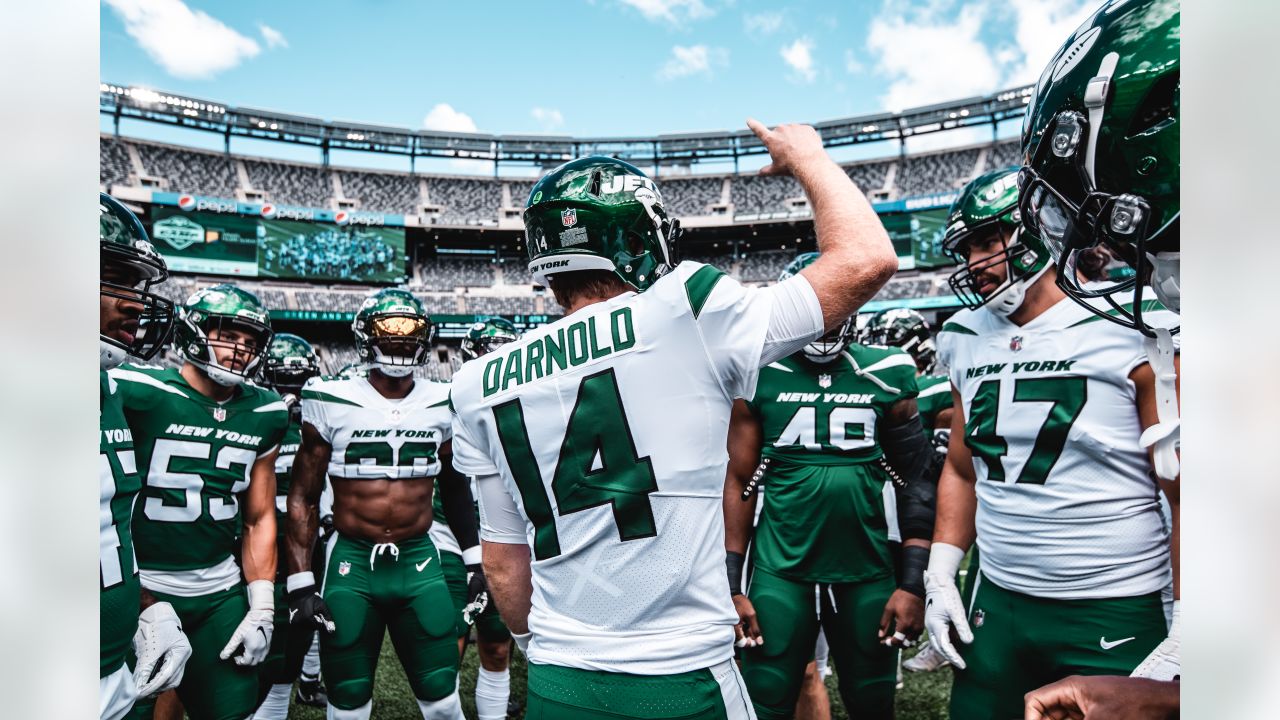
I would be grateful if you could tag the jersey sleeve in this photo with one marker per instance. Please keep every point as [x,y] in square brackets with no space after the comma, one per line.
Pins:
[277,424]
[470,457]
[315,413]
[500,519]
[746,328]
[895,373]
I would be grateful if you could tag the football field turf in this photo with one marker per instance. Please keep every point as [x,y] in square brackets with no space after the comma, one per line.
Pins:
[923,698]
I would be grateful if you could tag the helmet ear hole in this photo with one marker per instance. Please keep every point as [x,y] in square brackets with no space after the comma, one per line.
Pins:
[1158,108]
[594,188]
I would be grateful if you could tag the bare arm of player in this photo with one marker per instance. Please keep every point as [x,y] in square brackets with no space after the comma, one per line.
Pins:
[857,258]
[909,454]
[258,553]
[303,525]
[506,566]
[745,439]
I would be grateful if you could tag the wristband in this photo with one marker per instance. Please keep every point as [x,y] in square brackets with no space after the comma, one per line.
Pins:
[471,556]
[522,641]
[733,563]
[262,595]
[299,581]
[914,561]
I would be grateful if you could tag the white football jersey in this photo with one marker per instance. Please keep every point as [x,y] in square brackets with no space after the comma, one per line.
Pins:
[1067,507]
[608,429]
[374,437]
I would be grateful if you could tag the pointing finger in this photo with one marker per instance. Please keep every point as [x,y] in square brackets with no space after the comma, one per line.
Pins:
[759,129]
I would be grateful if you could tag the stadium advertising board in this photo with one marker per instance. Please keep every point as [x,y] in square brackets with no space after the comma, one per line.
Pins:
[225,243]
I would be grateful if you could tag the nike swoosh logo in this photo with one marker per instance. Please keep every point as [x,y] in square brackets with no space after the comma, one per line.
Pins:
[1108,645]
[292,614]
[426,562]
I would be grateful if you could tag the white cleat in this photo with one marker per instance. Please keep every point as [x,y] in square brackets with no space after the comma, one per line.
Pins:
[927,660]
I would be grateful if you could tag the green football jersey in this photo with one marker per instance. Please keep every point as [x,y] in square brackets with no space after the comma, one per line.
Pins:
[118,485]
[824,514]
[935,396]
[197,455]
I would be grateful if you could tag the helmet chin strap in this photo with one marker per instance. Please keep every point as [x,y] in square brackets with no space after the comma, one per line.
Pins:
[222,376]
[109,355]
[1166,279]
[822,358]
[395,371]
[1008,300]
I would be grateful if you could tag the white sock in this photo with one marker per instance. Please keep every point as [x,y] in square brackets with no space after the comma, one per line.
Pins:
[275,706]
[361,713]
[493,690]
[311,663]
[446,708]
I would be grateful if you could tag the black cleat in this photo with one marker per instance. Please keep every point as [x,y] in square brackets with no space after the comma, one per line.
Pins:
[312,693]
[513,709]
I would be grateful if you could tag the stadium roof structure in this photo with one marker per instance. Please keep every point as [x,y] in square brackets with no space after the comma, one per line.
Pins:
[136,103]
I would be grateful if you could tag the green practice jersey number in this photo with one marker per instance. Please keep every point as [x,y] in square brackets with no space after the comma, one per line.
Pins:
[162,475]
[598,465]
[1067,396]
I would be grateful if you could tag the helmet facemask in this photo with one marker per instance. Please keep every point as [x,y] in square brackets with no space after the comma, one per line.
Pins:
[396,343]
[1023,266]
[146,318]
[208,333]
[830,345]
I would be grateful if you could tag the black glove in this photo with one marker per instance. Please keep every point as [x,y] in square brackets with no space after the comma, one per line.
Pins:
[308,610]
[477,593]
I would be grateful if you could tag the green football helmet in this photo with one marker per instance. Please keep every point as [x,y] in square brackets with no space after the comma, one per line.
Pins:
[599,213]
[393,332]
[141,320]
[1101,153]
[290,363]
[830,345]
[214,311]
[989,204]
[905,329]
[485,336]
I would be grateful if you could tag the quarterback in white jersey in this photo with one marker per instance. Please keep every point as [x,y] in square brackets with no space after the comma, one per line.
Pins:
[599,441]
[1045,464]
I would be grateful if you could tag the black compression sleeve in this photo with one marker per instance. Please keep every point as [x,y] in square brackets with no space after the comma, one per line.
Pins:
[911,460]
[459,507]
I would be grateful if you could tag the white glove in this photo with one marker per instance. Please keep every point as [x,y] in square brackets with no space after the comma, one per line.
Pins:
[942,606]
[1164,662]
[254,631]
[162,650]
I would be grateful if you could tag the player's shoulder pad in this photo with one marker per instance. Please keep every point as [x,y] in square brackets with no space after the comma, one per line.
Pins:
[151,376]
[690,283]
[265,399]
[333,390]
[892,365]
[965,322]
[436,393]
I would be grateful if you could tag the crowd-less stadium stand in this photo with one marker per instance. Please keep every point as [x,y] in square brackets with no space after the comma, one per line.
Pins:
[385,192]
[473,201]
[764,266]
[445,273]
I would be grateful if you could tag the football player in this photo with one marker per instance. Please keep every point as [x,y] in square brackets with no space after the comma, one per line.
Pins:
[207,439]
[1102,166]
[908,330]
[825,421]
[598,441]
[383,441]
[1045,465]
[290,363]
[133,322]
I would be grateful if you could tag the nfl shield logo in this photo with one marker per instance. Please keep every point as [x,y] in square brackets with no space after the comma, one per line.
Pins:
[219,414]
[344,568]
[824,381]
[1015,343]
[569,217]
[979,617]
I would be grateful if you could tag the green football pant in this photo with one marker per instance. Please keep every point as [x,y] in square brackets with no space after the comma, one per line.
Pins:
[789,613]
[396,588]
[455,576]
[561,693]
[1022,642]
[212,688]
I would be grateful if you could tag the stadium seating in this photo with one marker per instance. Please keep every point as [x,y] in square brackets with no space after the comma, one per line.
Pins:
[449,273]
[289,184]
[516,272]
[1004,154]
[519,192]
[937,172]
[869,176]
[691,196]
[466,201]
[206,173]
[763,194]
[484,305]
[382,192]
[113,163]
[764,266]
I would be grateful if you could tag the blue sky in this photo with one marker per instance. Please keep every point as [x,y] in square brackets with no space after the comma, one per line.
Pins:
[578,67]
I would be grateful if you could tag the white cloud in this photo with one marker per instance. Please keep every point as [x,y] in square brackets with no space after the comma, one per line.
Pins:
[852,65]
[187,43]
[671,11]
[799,56]
[765,23]
[272,37]
[1042,27]
[932,58]
[444,117]
[548,118]
[693,60]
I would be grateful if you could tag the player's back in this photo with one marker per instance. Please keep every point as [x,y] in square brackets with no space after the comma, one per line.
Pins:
[609,429]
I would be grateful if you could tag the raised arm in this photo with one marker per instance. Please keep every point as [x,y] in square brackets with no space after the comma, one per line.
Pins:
[857,258]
